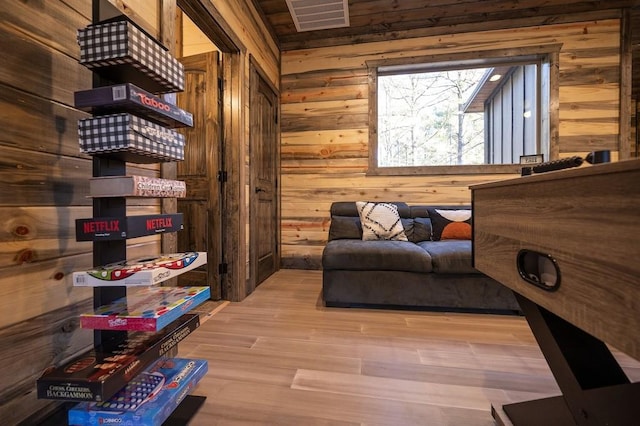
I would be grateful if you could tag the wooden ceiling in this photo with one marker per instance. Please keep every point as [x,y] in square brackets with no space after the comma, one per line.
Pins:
[372,20]
[377,20]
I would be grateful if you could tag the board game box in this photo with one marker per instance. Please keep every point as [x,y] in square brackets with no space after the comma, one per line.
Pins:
[136,186]
[150,309]
[130,98]
[99,373]
[142,271]
[149,399]
[121,51]
[119,228]
[130,138]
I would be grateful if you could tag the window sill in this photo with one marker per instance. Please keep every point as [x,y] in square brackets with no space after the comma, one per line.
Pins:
[475,169]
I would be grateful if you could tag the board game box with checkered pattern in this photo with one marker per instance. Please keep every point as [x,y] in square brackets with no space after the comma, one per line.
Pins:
[122,52]
[130,138]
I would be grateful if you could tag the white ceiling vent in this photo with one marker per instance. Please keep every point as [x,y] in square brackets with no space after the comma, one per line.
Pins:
[309,15]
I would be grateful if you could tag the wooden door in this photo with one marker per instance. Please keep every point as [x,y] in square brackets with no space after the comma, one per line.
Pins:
[201,208]
[263,212]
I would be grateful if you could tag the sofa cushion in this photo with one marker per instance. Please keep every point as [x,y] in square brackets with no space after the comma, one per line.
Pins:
[450,256]
[450,224]
[359,255]
[380,221]
[348,208]
[345,227]
[421,229]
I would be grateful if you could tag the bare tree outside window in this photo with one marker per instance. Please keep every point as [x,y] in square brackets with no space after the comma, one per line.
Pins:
[421,119]
[463,113]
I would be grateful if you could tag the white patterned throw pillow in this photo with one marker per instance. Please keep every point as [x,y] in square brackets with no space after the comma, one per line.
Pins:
[380,221]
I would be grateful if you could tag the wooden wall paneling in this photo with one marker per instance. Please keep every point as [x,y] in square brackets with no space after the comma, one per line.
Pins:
[29,290]
[40,21]
[56,77]
[234,207]
[324,153]
[298,256]
[170,35]
[35,343]
[34,178]
[145,13]
[45,188]
[626,85]
[32,123]
[246,23]
[322,78]
[325,150]
[597,34]
[194,41]
[33,234]
[350,165]
[30,347]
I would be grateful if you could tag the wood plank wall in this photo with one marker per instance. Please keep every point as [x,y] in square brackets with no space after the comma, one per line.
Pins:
[325,122]
[45,188]
[45,178]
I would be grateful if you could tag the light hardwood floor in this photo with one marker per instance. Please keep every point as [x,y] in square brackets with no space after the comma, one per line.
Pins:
[280,358]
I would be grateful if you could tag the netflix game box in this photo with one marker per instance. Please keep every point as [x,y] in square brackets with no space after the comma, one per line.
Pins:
[130,98]
[150,309]
[121,52]
[114,228]
[100,373]
[149,399]
[129,138]
[142,271]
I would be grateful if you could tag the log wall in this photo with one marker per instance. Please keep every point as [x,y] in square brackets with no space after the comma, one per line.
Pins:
[45,178]
[325,121]
[45,186]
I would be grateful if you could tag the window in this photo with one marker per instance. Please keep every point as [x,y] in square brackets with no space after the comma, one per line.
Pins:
[461,114]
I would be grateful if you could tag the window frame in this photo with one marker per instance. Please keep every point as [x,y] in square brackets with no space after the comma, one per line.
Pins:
[547,54]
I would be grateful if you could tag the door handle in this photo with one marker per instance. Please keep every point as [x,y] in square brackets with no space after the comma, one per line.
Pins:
[259,190]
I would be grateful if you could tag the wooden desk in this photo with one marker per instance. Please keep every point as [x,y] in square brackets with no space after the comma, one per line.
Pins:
[587,220]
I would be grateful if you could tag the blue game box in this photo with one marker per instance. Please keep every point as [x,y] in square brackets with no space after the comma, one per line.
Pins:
[148,399]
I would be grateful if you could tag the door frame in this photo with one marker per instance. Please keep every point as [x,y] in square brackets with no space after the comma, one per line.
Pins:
[211,23]
[255,71]
[210,149]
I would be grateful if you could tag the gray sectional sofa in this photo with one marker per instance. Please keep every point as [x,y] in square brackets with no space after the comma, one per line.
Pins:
[419,273]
